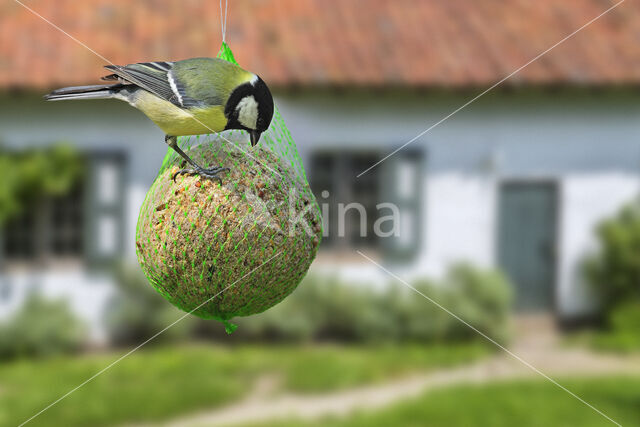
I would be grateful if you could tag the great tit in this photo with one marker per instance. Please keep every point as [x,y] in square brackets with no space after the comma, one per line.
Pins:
[190,97]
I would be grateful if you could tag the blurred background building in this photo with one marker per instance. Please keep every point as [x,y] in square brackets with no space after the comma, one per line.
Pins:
[516,180]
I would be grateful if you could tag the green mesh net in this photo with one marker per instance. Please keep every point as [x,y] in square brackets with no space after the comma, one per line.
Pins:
[235,247]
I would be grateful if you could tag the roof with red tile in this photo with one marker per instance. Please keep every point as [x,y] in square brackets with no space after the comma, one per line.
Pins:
[330,42]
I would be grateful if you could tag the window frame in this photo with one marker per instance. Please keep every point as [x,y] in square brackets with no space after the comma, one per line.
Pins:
[42,236]
[91,210]
[414,205]
[339,194]
[96,209]
[386,192]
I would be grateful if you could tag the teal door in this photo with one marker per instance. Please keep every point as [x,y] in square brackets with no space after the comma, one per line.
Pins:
[526,242]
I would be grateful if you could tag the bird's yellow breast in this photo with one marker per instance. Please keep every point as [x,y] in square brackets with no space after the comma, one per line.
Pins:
[176,121]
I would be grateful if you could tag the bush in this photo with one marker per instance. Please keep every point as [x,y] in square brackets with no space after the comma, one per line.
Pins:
[319,309]
[327,309]
[614,271]
[483,299]
[626,318]
[137,312]
[41,328]
[624,329]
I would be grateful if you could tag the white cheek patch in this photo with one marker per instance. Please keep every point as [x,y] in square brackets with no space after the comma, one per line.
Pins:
[248,112]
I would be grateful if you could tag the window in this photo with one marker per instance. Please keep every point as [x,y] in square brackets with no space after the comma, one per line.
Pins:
[349,203]
[84,225]
[351,206]
[67,220]
[52,228]
[19,236]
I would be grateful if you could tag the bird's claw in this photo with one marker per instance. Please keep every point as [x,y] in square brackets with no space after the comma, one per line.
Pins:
[211,173]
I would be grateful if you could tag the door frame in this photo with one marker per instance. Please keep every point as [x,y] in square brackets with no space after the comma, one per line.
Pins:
[554,185]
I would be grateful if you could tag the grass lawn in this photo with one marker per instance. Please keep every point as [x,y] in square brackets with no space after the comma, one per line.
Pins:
[159,383]
[521,403]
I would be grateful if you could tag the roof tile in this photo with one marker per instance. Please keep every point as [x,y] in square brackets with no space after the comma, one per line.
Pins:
[331,42]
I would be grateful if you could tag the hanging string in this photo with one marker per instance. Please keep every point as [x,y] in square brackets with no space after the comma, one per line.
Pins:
[223,20]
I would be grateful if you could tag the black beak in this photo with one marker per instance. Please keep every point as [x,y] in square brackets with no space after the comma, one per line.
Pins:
[255,137]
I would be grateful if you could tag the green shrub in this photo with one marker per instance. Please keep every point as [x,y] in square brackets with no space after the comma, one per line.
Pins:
[137,311]
[41,328]
[626,318]
[482,298]
[614,272]
[623,324]
[319,309]
[328,309]
[414,318]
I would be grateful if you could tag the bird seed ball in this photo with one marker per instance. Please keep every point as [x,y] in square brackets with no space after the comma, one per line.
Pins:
[230,249]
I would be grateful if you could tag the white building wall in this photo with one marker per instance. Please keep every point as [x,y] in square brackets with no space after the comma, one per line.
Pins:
[587,142]
[460,218]
[86,294]
[461,213]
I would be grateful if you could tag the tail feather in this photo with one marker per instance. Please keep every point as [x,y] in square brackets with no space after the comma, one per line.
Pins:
[84,92]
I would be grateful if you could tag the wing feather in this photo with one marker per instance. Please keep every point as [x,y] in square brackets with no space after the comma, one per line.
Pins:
[152,76]
[202,81]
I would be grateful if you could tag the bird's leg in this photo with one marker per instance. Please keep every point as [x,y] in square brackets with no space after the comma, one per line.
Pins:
[211,173]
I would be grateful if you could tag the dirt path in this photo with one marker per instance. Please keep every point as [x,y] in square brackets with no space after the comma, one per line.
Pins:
[264,404]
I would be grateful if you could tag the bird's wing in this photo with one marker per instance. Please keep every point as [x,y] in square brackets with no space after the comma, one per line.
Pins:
[156,77]
[208,81]
[195,82]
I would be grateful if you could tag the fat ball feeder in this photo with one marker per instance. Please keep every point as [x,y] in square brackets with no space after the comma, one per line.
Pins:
[229,226]
[203,243]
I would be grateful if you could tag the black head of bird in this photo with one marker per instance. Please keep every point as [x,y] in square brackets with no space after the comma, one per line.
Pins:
[250,107]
